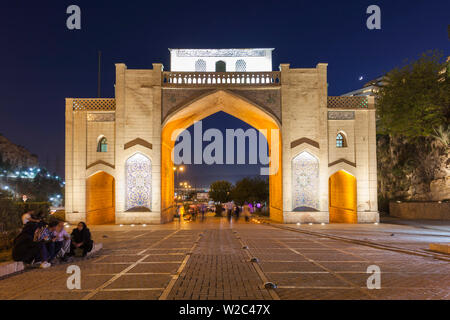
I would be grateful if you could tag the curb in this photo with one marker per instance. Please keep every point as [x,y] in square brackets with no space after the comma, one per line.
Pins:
[7,268]
[10,268]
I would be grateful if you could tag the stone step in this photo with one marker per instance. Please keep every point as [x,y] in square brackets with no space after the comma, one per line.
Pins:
[10,267]
[440,247]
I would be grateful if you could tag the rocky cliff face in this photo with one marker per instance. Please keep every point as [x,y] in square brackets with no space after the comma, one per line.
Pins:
[408,170]
[15,156]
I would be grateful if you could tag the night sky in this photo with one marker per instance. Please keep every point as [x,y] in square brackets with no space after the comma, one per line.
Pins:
[43,62]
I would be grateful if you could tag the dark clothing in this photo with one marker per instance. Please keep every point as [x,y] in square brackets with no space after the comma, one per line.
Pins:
[25,249]
[83,236]
[236,213]
[30,228]
[53,248]
[229,214]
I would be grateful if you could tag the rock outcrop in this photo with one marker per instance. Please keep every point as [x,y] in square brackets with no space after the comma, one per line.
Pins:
[416,170]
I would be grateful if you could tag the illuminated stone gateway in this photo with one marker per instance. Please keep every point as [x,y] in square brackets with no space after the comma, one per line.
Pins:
[118,150]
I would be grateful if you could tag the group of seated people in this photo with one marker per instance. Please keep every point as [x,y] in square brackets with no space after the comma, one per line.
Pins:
[43,244]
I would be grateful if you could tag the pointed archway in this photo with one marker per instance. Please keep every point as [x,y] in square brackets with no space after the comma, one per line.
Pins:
[342,198]
[100,201]
[238,107]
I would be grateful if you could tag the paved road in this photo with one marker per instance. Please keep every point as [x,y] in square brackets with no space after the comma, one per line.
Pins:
[211,260]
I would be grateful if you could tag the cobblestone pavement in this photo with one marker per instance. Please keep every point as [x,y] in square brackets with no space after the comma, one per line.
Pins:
[212,260]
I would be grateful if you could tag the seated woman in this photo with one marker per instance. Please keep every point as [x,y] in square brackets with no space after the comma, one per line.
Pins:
[61,244]
[81,239]
[32,245]
[25,249]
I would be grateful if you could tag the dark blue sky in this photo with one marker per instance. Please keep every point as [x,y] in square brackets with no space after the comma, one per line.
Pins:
[43,62]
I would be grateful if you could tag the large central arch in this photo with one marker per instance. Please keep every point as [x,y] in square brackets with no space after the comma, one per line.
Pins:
[238,107]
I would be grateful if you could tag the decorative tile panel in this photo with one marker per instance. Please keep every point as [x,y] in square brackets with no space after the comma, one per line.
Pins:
[220,53]
[341,115]
[101,117]
[305,182]
[138,181]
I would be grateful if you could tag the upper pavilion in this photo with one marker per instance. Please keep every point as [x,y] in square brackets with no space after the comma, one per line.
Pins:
[221,60]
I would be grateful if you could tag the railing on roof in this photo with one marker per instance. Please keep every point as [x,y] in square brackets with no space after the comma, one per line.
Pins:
[94,104]
[204,79]
[343,102]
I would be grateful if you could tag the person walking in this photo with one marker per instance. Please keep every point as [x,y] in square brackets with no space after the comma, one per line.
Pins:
[203,211]
[229,208]
[229,213]
[236,212]
[246,212]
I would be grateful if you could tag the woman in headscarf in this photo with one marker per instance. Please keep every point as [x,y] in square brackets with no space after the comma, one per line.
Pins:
[81,239]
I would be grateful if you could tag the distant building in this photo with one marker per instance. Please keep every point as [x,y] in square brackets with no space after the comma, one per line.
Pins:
[202,196]
[369,89]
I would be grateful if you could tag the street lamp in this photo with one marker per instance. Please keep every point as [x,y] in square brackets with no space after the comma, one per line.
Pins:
[177,169]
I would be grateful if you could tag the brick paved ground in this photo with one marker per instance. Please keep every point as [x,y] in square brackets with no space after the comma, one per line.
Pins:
[208,261]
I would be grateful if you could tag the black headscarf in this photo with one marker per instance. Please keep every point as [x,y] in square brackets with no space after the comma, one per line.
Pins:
[81,236]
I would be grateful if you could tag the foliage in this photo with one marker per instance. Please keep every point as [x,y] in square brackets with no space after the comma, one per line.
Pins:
[415,100]
[442,135]
[43,187]
[10,218]
[59,215]
[10,215]
[219,191]
[250,190]
[40,209]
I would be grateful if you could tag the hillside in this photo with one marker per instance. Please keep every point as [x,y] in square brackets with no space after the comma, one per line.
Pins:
[16,156]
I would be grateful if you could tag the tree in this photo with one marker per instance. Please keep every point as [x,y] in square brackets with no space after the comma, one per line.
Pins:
[250,190]
[415,100]
[219,191]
